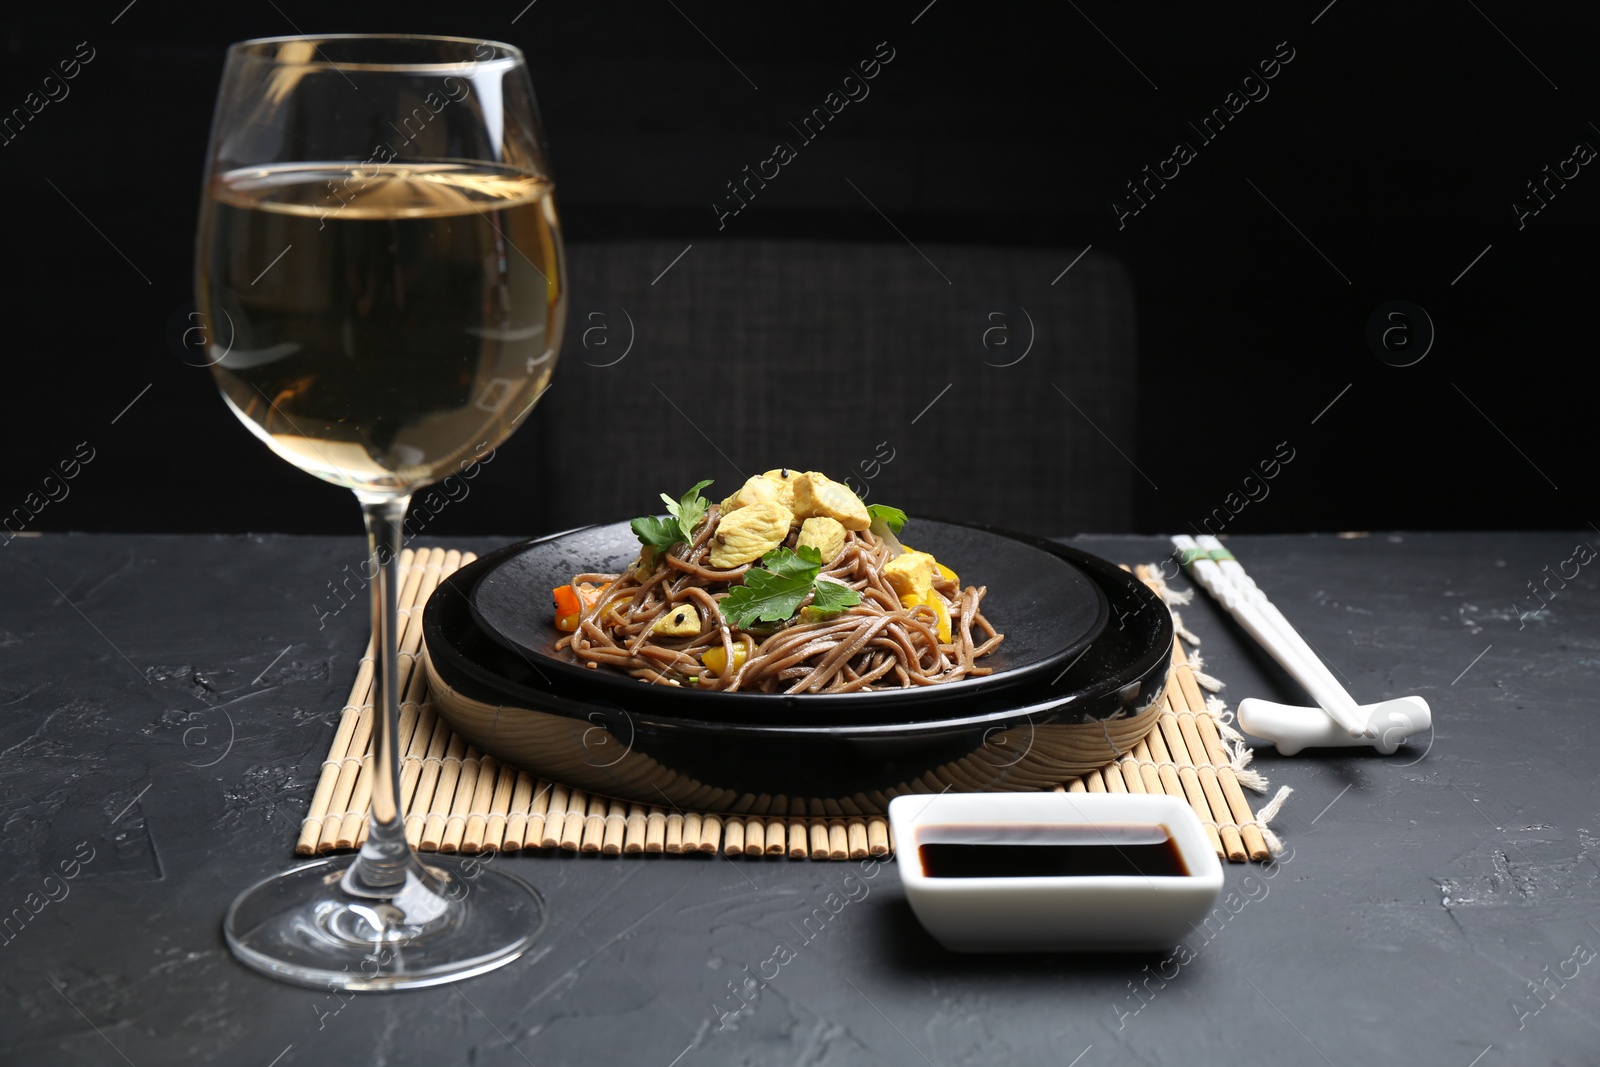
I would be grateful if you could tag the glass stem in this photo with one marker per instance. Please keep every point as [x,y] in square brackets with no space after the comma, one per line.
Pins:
[385,855]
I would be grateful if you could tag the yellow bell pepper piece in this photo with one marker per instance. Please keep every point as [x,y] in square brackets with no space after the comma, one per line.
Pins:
[620,607]
[940,609]
[715,658]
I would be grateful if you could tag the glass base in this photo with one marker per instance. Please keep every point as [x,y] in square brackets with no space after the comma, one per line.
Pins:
[305,926]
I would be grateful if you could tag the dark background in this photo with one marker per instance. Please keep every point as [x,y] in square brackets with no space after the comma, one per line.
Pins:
[1396,141]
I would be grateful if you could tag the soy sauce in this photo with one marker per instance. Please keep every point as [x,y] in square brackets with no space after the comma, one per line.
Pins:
[1049,852]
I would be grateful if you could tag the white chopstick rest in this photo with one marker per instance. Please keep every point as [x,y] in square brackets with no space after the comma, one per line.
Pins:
[1293,728]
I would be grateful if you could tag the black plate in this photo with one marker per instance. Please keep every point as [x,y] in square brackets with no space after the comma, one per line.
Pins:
[496,699]
[1048,609]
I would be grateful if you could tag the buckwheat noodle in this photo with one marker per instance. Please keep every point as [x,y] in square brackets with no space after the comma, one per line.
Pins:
[878,644]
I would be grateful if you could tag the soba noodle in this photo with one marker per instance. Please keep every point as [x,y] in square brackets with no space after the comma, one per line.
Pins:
[879,643]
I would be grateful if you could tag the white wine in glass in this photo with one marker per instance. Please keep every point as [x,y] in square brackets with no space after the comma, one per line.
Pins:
[380,269]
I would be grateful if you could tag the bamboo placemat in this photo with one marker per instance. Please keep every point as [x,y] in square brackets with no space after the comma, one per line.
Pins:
[457,799]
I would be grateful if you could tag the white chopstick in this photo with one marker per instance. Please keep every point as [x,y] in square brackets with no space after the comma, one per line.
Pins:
[1209,564]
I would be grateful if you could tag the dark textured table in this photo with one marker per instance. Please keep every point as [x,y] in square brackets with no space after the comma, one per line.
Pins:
[168,701]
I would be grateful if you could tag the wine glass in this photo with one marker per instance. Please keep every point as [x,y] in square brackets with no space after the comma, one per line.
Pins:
[381,276]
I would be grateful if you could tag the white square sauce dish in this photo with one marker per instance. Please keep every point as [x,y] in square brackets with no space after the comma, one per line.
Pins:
[1054,872]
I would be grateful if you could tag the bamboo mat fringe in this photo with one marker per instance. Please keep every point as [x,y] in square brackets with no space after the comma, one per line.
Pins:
[456,799]
[1203,742]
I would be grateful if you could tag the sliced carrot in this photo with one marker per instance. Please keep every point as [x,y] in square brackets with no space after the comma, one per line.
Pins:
[573,601]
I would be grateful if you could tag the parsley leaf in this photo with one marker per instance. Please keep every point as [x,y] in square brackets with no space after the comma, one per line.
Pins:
[766,596]
[690,510]
[661,534]
[774,591]
[831,598]
[805,564]
[893,518]
[657,533]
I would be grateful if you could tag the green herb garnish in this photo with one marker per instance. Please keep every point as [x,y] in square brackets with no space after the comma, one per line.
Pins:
[774,594]
[662,533]
[803,565]
[893,518]
[830,598]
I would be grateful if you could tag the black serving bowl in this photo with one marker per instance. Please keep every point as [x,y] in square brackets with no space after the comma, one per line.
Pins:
[1029,736]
